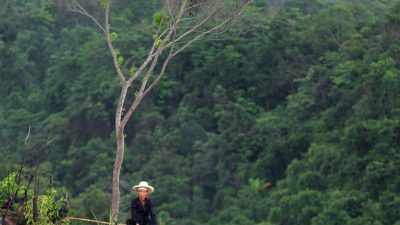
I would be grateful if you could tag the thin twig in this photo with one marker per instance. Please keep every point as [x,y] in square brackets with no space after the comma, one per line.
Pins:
[82,11]
[210,31]
[27,136]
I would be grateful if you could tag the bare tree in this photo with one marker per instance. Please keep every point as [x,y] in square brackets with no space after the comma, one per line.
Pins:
[179,24]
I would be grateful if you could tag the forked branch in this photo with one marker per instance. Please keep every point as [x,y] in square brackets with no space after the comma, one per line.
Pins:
[186,21]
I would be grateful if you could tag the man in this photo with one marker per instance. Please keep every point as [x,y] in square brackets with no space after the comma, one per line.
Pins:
[142,209]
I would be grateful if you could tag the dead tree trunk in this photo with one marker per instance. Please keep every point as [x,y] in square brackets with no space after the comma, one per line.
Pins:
[35,199]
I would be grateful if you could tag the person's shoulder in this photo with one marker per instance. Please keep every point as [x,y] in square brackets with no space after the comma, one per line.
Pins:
[148,200]
[135,201]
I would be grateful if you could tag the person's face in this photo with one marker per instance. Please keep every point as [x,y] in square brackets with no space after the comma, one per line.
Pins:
[142,193]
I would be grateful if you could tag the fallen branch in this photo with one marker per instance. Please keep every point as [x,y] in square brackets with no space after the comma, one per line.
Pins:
[91,221]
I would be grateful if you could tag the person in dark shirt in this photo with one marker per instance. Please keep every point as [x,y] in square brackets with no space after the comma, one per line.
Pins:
[142,209]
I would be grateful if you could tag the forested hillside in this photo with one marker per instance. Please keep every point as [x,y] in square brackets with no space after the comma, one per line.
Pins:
[292,117]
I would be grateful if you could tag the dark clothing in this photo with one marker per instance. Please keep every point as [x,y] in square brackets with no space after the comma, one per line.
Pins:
[143,215]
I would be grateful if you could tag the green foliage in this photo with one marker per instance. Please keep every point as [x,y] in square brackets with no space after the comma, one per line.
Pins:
[255,183]
[165,218]
[157,41]
[114,36]
[160,19]
[92,203]
[133,69]
[105,3]
[49,206]
[9,187]
[120,60]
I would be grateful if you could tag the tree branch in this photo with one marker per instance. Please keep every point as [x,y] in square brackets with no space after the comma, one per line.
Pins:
[110,46]
[165,64]
[193,29]
[82,11]
[140,95]
[210,31]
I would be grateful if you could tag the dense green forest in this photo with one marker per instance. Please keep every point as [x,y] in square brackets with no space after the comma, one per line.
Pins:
[292,117]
